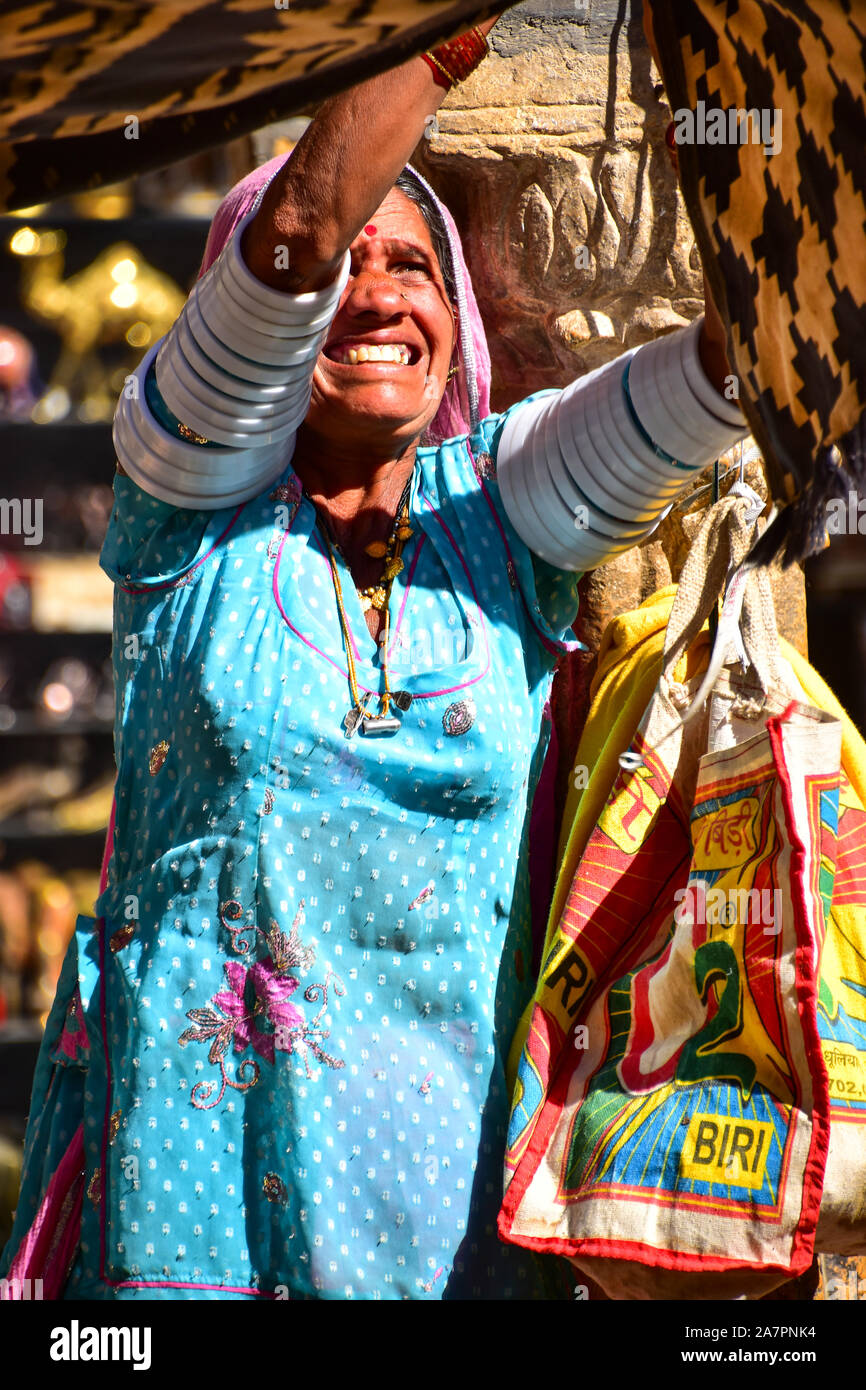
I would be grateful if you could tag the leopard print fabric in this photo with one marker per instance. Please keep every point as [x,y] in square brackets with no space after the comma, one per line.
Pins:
[783,234]
[195,73]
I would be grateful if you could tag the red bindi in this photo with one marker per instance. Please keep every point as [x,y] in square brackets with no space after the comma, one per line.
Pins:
[370,229]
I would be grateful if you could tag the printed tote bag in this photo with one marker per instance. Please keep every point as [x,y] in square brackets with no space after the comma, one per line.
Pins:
[690,1105]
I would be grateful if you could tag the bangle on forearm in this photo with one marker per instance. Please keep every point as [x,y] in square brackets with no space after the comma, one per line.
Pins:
[677,405]
[185,473]
[441,77]
[241,354]
[284,306]
[586,472]
[659,452]
[179,381]
[222,423]
[453,62]
[219,400]
[726,411]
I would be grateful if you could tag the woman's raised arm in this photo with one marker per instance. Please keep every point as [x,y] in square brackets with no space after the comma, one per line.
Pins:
[587,472]
[217,403]
[339,173]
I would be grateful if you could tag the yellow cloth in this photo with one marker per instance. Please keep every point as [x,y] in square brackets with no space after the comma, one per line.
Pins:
[629,665]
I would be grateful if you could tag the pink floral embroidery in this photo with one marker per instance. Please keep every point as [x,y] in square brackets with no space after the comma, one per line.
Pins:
[421,898]
[256,1009]
[484,466]
[73,1042]
[289,492]
[271,1001]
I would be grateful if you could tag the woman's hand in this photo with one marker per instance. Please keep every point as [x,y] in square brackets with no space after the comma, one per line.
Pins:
[713,346]
[713,342]
[339,173]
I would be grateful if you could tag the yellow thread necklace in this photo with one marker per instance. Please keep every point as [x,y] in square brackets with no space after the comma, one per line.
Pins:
[359,715]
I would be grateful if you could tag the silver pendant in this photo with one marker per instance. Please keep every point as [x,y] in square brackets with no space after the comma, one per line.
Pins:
[350,723]
[402,699]
[459,718]
[484,466]
[380,724]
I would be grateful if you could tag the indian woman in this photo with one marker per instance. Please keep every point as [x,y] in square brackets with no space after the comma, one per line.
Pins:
[275,1066]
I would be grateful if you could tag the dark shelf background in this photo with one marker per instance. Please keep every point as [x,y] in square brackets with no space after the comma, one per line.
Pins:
[64,454]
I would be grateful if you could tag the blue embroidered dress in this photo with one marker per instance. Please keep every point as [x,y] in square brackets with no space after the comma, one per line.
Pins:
[313,951]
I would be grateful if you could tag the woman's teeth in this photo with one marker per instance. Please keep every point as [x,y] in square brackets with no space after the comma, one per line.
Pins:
[375,352]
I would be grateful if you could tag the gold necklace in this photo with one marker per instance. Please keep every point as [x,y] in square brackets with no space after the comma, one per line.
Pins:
[377,595]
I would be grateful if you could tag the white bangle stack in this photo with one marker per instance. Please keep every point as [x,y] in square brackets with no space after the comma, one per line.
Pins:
[675,401]
[236,369]
[587,472]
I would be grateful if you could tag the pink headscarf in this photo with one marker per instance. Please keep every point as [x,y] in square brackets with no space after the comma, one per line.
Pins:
[467,395]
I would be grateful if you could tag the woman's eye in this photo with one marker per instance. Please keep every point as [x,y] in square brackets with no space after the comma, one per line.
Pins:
[413,265]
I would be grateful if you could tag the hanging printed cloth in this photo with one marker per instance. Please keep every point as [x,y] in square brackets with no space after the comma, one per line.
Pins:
[778,204]
[778,207]
[690,1101]
[95,92]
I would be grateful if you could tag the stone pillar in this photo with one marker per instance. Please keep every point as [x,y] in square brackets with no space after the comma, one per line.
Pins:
[552,159]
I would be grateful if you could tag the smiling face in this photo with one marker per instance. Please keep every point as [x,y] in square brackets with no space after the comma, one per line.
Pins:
[395,306]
